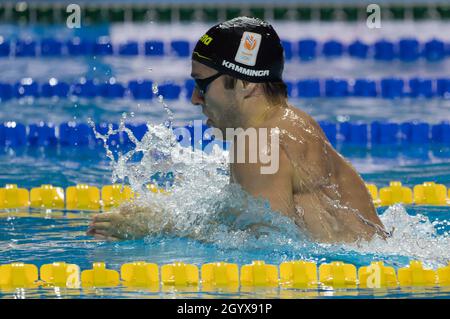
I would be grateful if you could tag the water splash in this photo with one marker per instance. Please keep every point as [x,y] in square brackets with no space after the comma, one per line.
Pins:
[413,236]
[203,205]
[169,121]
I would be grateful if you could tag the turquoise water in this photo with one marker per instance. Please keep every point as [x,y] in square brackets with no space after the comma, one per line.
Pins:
[41,238]
[44,237]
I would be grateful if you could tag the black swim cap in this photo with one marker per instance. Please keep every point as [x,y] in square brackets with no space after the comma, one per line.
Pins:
[245,48]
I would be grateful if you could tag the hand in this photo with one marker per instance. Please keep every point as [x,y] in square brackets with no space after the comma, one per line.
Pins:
[127,223]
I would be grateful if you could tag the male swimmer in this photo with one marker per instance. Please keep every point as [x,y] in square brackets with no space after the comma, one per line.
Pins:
[237,66]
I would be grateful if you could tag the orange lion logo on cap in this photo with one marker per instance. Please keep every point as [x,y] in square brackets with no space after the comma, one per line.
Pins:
[250,42]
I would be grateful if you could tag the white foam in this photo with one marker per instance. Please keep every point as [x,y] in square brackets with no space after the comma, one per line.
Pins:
[203,205]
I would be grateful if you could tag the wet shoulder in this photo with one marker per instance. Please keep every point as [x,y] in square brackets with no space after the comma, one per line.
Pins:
[297,126]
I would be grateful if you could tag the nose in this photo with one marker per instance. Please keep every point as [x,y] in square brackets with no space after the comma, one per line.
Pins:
[196,98]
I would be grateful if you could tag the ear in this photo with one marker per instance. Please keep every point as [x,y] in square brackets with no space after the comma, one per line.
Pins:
[247,89]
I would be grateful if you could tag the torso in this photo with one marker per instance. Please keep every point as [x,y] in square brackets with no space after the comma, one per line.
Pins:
[331,200]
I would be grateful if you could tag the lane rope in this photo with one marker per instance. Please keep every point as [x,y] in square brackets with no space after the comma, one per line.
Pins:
[222,276]
[405,50]
[386,88]
[88,197]
[75,134]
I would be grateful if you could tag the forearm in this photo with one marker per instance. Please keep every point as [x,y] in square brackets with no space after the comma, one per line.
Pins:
[154,220]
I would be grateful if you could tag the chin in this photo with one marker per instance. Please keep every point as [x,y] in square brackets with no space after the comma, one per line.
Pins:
[215,127]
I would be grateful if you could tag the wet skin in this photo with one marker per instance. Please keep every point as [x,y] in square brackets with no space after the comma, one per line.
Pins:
[314,185]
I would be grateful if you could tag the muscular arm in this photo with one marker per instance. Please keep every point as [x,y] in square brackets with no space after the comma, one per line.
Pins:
[129,222]
[134,222]
[276,188]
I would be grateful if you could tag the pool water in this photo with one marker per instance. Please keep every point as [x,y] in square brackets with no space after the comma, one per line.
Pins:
[41,237]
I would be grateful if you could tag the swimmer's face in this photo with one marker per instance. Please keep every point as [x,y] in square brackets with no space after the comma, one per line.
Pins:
[218,104]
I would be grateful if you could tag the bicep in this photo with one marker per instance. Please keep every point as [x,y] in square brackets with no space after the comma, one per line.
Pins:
[276,187]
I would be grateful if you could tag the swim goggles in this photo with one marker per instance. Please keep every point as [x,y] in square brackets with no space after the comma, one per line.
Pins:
[202,84]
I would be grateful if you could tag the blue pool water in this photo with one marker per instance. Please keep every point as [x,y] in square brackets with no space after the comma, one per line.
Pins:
[39,237]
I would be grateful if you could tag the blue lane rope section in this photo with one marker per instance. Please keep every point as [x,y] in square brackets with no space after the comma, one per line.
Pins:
[406,49]
[387,88]
[72,134]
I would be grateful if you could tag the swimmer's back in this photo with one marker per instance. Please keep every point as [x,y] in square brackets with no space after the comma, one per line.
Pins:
[331,199]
